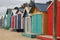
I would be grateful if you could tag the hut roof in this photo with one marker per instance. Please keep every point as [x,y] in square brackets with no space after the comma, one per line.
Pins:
[21,9]
[42,7]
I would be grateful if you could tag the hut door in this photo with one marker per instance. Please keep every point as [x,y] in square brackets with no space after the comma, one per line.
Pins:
[37,24]
[26,29]
[19,21]
[29,24]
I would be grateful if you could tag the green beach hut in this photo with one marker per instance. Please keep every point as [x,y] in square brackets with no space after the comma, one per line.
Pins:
[7,19]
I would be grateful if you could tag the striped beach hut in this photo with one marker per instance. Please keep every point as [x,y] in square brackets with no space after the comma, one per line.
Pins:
[19,20]
[27,21]
[13,19]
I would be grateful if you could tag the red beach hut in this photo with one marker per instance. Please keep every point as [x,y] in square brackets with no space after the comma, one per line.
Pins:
[50,18]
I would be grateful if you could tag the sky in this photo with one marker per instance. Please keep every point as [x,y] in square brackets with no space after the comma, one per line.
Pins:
[4,4]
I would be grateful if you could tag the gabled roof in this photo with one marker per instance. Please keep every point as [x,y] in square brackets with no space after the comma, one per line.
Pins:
[8,11]
[28,9]
[21,9]
[41,6]
[13,11]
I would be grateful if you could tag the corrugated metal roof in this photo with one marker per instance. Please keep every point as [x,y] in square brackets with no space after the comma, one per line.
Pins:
[42,7]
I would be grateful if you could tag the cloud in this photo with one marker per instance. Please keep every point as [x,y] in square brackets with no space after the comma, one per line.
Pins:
[2,10]
[9,3]
[41,1]
[4,4]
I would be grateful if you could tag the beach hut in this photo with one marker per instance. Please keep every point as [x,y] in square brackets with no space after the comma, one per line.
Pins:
[7,19]
[50,18]
[40,19]
[13,19]
[19,20]
[27,21]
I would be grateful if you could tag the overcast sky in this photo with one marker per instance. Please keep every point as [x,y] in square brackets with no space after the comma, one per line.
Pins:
[4,4]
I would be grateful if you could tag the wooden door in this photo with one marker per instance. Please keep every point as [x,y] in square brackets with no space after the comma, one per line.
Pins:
[19,21]
[37,23]
[29,24]
[26,23]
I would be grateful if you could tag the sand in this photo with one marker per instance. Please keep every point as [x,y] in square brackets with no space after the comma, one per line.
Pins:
[11,35]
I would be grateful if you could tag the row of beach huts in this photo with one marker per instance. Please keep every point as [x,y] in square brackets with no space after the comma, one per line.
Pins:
[35,20]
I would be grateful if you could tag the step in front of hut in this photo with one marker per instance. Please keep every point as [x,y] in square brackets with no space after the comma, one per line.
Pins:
[7,27]
[46,37]
[31,35]
[20,30]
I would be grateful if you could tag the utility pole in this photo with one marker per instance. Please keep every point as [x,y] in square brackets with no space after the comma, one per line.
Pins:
[55,19]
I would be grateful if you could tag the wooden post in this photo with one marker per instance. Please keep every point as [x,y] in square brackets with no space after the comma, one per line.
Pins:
[55,19]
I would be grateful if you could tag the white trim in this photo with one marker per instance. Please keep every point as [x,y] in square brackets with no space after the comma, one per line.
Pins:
[50,4]
[17,21]
[14,11]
